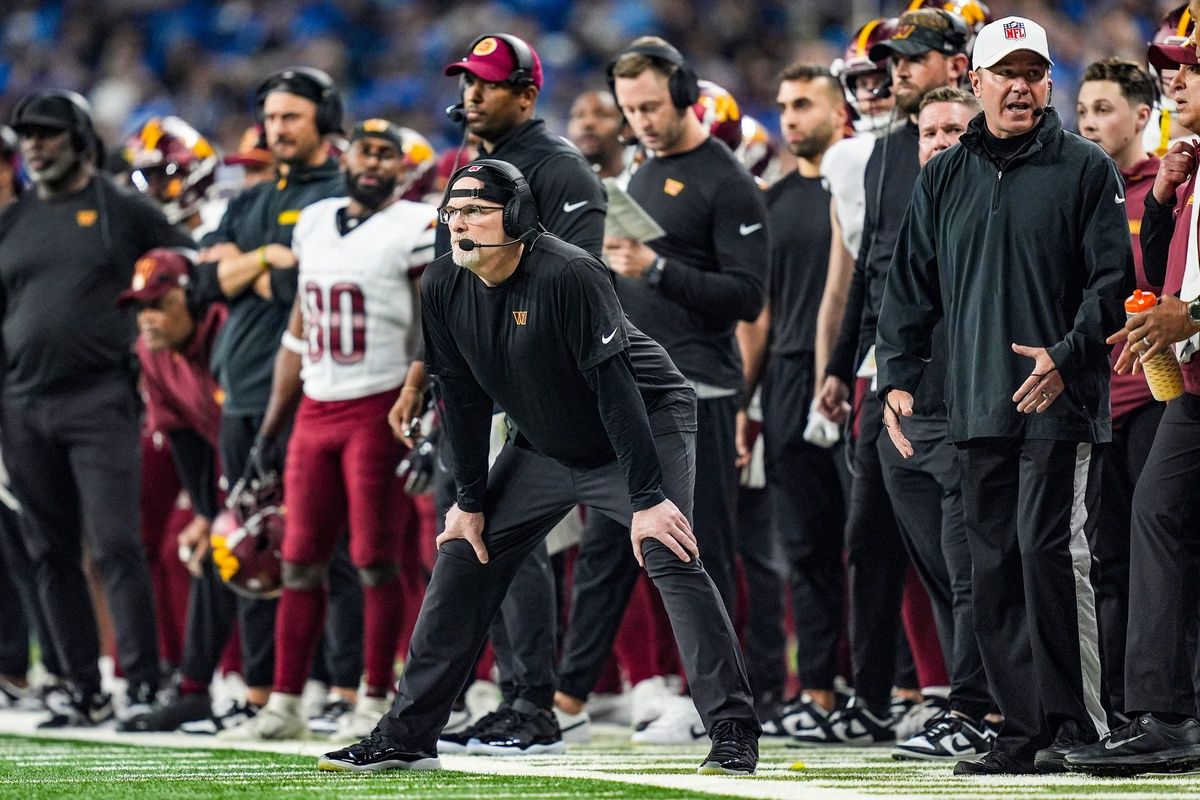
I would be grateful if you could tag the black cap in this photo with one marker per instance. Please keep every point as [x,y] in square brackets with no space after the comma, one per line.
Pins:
[47,111]
[379,129]
[913,39]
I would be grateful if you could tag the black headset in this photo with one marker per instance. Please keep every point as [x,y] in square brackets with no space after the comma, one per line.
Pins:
[682,82]
[522,74]
[82,129]
[520,216]
[959,35]
[328,98]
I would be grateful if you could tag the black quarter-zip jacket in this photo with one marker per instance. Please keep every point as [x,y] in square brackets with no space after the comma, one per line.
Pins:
[1037,253]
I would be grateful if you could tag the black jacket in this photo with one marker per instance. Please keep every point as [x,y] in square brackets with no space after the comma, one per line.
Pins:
[1036,254]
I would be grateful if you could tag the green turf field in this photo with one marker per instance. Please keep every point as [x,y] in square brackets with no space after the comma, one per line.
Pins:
[58,768]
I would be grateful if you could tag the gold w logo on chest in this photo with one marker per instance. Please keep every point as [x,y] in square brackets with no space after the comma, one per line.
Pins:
[520,317]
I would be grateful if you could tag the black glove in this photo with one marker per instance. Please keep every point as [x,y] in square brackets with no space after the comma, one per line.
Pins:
[266,456]
[419,465]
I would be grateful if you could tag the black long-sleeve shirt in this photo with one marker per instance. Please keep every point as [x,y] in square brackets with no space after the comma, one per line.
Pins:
[716,256]
[551,346]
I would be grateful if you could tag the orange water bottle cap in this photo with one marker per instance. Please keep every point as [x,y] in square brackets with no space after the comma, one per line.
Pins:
[1139,301]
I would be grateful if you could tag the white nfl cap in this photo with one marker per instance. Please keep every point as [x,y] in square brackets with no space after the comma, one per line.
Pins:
[1008,35]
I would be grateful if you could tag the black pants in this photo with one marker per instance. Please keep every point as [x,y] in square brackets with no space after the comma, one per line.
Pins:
[1164,568]
[213,607]
[1123,463]
[525,658]
[764,641]
[605,570]
[876,568]
[808,513]
[1029,505]
[75,463]
[926,492]
[528,494]
[18,597]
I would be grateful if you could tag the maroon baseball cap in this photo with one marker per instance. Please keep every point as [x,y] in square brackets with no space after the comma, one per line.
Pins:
[493,59]
[1172,56]
[155,274]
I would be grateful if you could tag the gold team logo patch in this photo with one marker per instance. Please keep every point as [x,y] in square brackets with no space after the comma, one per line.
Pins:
[1135,227]
[142,271]
[521,317]
[904,31]
[485,47]
[289,217]
[86,217]
[375,125]
[672,187]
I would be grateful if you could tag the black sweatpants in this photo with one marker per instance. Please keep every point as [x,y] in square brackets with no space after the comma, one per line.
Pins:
[876,568]
[1164,568]
[605,570]
[808,514]
[764,641]
[528,494]
[926,492]
[1029,505]
[75,462]
[1124,460]
[18,597]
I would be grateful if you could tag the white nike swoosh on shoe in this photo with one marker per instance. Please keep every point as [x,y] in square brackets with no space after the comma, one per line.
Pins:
[569,207]
[746,230]
[1111,745]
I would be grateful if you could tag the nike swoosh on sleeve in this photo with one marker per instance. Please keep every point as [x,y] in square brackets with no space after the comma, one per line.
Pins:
[569,207]
[609,338]
[746,230]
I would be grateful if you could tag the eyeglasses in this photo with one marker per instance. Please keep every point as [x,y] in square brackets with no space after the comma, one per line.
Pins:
[472,215]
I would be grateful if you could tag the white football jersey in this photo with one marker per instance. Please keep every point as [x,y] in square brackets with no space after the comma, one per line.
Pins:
[358,295]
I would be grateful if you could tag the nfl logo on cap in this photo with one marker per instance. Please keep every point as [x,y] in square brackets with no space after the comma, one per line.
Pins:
[1014,30]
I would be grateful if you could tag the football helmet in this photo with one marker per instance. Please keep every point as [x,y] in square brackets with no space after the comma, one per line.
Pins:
[247,538]
[856,65]
[419,161]
[719,112]
[171,162]
[973,12]
[758,151]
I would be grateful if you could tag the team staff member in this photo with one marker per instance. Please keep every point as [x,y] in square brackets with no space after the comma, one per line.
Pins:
[533,311]
[688,291]
[71,419]
[363,251]
[500,79]
[249,264]
[1028,432]
[807,505]
[1163,734]
[1114,105]
[594,127]
[176,337]
[927,52]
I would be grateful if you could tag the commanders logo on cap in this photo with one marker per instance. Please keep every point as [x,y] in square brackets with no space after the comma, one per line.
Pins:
[904,31]
[1014,30]
[142,271]
[485,47]
[375,125]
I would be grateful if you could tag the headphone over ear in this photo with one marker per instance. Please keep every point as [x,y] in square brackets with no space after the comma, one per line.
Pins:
[520,216]
[959,35]
[83,130]
[683,83]
[522,75]
[322,91]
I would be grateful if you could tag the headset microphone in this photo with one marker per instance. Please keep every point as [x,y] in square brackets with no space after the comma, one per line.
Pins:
[467,245]
[884,90]
[1037,112]
[457,113]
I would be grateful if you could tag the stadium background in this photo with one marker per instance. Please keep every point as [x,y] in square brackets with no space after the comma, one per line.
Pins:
[202,59]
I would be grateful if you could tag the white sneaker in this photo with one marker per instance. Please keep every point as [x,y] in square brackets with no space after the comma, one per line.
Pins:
[918,717]
[483,697]
[647,700]
[459,719]
[279,719]
[576,728]
[312,700]
[611,708]
[359,723]
[679,723]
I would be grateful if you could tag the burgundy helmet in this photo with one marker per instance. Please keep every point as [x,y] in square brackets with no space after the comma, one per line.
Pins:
[1175,27]
[719,112]
[170,161]
[247,539]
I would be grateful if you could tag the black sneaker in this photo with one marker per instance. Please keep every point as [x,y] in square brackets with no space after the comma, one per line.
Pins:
[459,741]
[181,708]
[1071,736]
[734,750]
[375,753]
[1144,745]
[996,762]
[141,699]
[74,709]
[854,725]
[212,724]
[948,738]
[527,731]
[326,723]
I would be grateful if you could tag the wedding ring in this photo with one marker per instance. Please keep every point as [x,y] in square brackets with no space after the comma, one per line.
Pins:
[1146,341]
[1045,395]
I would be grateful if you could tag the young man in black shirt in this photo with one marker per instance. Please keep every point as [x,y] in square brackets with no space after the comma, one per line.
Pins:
[533,324]
[688,289]
[71,417]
